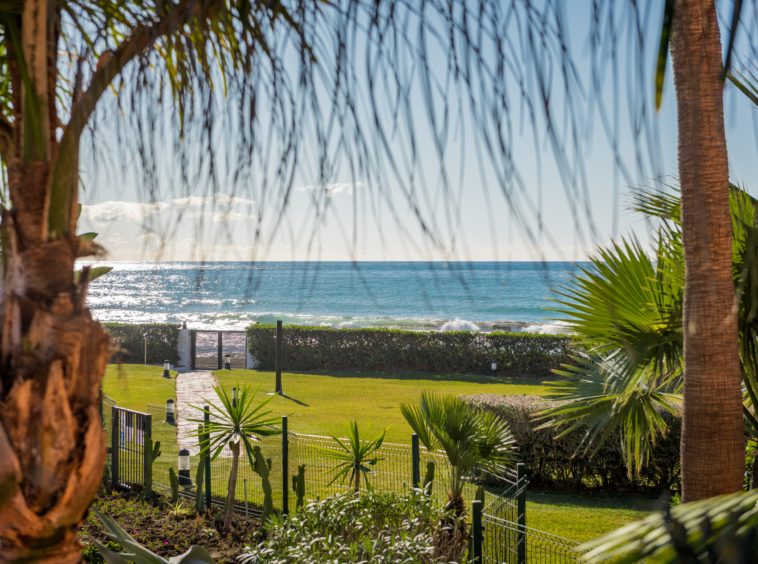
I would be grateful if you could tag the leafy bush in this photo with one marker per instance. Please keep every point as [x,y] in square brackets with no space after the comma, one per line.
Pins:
[369,528]
[312,348]
[162,342]
[554,463]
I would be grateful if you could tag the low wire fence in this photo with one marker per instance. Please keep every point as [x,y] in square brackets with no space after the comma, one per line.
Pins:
[503,537]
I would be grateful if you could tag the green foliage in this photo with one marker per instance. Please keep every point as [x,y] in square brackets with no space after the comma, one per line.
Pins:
[469,437]
[630,314]
[316,348]
[298,486]
[152,452]
[609,394]
[263,469]
[93,273]
[91,552]
[232,425]
[162,342]
[718,530]
[199,497]
[429,477]
[369,528]
[558,461]
[354,456]
[174,481]
[134,552]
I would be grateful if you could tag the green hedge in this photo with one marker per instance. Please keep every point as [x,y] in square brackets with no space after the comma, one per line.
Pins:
[554,464]
[128,339]
[324,348]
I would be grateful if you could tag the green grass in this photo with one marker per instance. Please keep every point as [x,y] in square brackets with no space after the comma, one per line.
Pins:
[319,403]
[134,386]
[582,517]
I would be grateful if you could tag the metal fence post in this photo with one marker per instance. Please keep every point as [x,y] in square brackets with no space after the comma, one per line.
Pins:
[285,467]
[100,402]
[115,445]
[476,531]
[416,460]
[147,432]
[521,502]
[278,389]
[206,437]
[220,350]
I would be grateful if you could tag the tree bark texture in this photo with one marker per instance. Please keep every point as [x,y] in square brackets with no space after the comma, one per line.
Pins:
[713,442]
[52,359]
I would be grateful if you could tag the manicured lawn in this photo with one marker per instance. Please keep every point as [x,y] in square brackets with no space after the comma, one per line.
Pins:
[134,386]
[582,517]
[318,403]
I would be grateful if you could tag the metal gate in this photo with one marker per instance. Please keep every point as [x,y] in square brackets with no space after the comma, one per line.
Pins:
[209,349]
[129,429]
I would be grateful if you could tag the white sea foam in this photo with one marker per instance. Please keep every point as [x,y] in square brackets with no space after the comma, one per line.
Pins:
[460,325]
[555,328]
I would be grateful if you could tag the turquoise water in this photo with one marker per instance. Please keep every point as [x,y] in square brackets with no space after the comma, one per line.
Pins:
[419,296]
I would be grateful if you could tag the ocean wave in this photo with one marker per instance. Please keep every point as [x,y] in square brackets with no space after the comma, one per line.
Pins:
[460,325]
[240,320]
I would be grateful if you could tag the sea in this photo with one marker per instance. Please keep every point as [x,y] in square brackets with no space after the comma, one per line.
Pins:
[476,296]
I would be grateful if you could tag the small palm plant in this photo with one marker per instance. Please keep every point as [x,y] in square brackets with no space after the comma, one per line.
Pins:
[470,438]
[354,456]
[234,425]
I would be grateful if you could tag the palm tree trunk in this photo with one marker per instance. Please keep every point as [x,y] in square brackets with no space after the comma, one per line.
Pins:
[713,443]
[229,517]
[357,481]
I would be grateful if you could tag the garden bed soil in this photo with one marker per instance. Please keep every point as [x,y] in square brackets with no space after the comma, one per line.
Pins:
[168,530]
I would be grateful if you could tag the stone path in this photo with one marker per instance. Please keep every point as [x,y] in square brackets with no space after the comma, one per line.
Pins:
[191,387]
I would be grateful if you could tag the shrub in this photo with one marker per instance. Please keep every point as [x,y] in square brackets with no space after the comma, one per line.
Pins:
[554,463]
[162,342]
[369,528]
[314,348]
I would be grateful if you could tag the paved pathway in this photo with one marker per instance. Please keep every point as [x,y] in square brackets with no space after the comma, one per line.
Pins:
[191,387]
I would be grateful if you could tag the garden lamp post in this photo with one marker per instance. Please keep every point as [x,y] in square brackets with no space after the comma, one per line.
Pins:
[166,366]
[494,368]
[228,361]
[170,411]
[184,468]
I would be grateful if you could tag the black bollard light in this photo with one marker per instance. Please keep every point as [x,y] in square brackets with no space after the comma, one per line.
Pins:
[184,468]
[494,368]
[170,411]
[228,362]
[166,373]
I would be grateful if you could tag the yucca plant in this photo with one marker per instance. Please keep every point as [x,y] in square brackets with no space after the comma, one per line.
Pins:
[469,438]
[234,426]
[354,456]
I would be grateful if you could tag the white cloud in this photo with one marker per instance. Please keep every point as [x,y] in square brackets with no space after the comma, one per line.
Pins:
[146,237]
[219,199]
[116,211]
[331,190]
[216,216]
[189,201]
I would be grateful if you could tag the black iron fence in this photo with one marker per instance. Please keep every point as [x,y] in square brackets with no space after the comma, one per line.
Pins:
[129,429]
[500,534]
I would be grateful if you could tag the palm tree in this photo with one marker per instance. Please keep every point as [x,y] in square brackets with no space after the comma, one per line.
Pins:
[234,425]
[469,438]
[630,312]
[354,456]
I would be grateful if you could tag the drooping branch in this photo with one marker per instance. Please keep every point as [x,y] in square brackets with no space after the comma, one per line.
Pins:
[62,220]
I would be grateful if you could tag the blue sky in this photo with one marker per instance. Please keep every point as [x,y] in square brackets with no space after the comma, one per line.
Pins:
[474,223]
